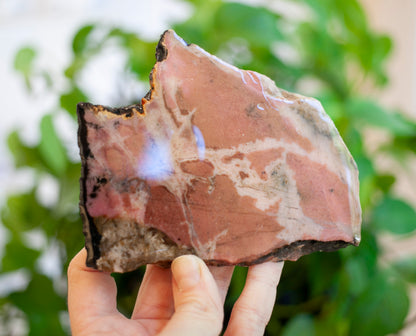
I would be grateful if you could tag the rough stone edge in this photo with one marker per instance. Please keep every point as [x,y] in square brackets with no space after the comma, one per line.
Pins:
[291,252]
[92,236]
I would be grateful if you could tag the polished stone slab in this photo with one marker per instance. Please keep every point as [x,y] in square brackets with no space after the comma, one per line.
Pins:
[214,161]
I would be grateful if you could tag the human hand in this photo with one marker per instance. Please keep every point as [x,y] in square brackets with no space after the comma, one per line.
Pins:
[184,300]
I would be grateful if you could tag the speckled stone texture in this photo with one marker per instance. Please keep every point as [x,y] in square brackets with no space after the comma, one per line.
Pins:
[214,161]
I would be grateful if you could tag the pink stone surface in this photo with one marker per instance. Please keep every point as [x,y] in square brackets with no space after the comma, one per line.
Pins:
[215,161]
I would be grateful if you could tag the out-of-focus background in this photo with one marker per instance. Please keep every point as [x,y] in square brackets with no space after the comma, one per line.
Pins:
[357,57]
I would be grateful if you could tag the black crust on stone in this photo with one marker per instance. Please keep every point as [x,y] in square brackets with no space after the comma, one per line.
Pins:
[292,252]
[299,248]
[161,54]
[92,236]
[161,50]
[126,111]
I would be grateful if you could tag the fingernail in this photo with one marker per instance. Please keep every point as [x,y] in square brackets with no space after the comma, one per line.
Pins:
[186,272]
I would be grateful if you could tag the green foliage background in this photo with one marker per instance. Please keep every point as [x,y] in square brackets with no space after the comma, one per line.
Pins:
[354,291]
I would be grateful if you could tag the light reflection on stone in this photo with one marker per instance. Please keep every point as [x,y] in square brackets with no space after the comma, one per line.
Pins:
[200,143]
[156,163]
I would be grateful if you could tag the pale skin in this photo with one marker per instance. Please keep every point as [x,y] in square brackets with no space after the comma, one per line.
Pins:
[186,299]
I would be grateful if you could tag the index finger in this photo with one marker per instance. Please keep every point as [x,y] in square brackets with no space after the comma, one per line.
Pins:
[253,309]
[222,276]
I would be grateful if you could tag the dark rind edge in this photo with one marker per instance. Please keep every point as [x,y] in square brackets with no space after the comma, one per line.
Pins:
[92,236]
[291,252]
[161,54]
[161,50]
[299,248]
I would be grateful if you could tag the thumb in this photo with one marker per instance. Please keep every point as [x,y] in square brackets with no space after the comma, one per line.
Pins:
[198,305]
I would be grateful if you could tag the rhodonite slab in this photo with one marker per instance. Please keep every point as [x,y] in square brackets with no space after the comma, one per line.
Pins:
[214,161]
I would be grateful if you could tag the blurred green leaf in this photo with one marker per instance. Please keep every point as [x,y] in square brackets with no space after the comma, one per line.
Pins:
[300,325]
[42,306]
[331,326]
[365,167]
[39,322]
[51,148]
[70,99]
[381,309]
[352,15]
[358,274]
[256,24]
[24,58]
[23,155]
[84,48]
[360,266]
[381,48]
[40,157]
[385,182]
[141,54]
[78,63]
[22,212]
[354,141]
[395,216]
[402,146]
[200,26]
[367,177]
[80,41]
[322,272]
[17,256]
[23,62]
[372,114]
[406,267]
[36,290]
[367,191]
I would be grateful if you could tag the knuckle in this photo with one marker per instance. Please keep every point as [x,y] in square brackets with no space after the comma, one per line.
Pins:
[254,318]
[198,308]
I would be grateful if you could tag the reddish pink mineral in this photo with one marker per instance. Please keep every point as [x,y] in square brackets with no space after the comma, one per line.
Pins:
[215,161]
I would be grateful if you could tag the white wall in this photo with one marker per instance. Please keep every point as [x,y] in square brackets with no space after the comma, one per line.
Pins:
[397,18]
